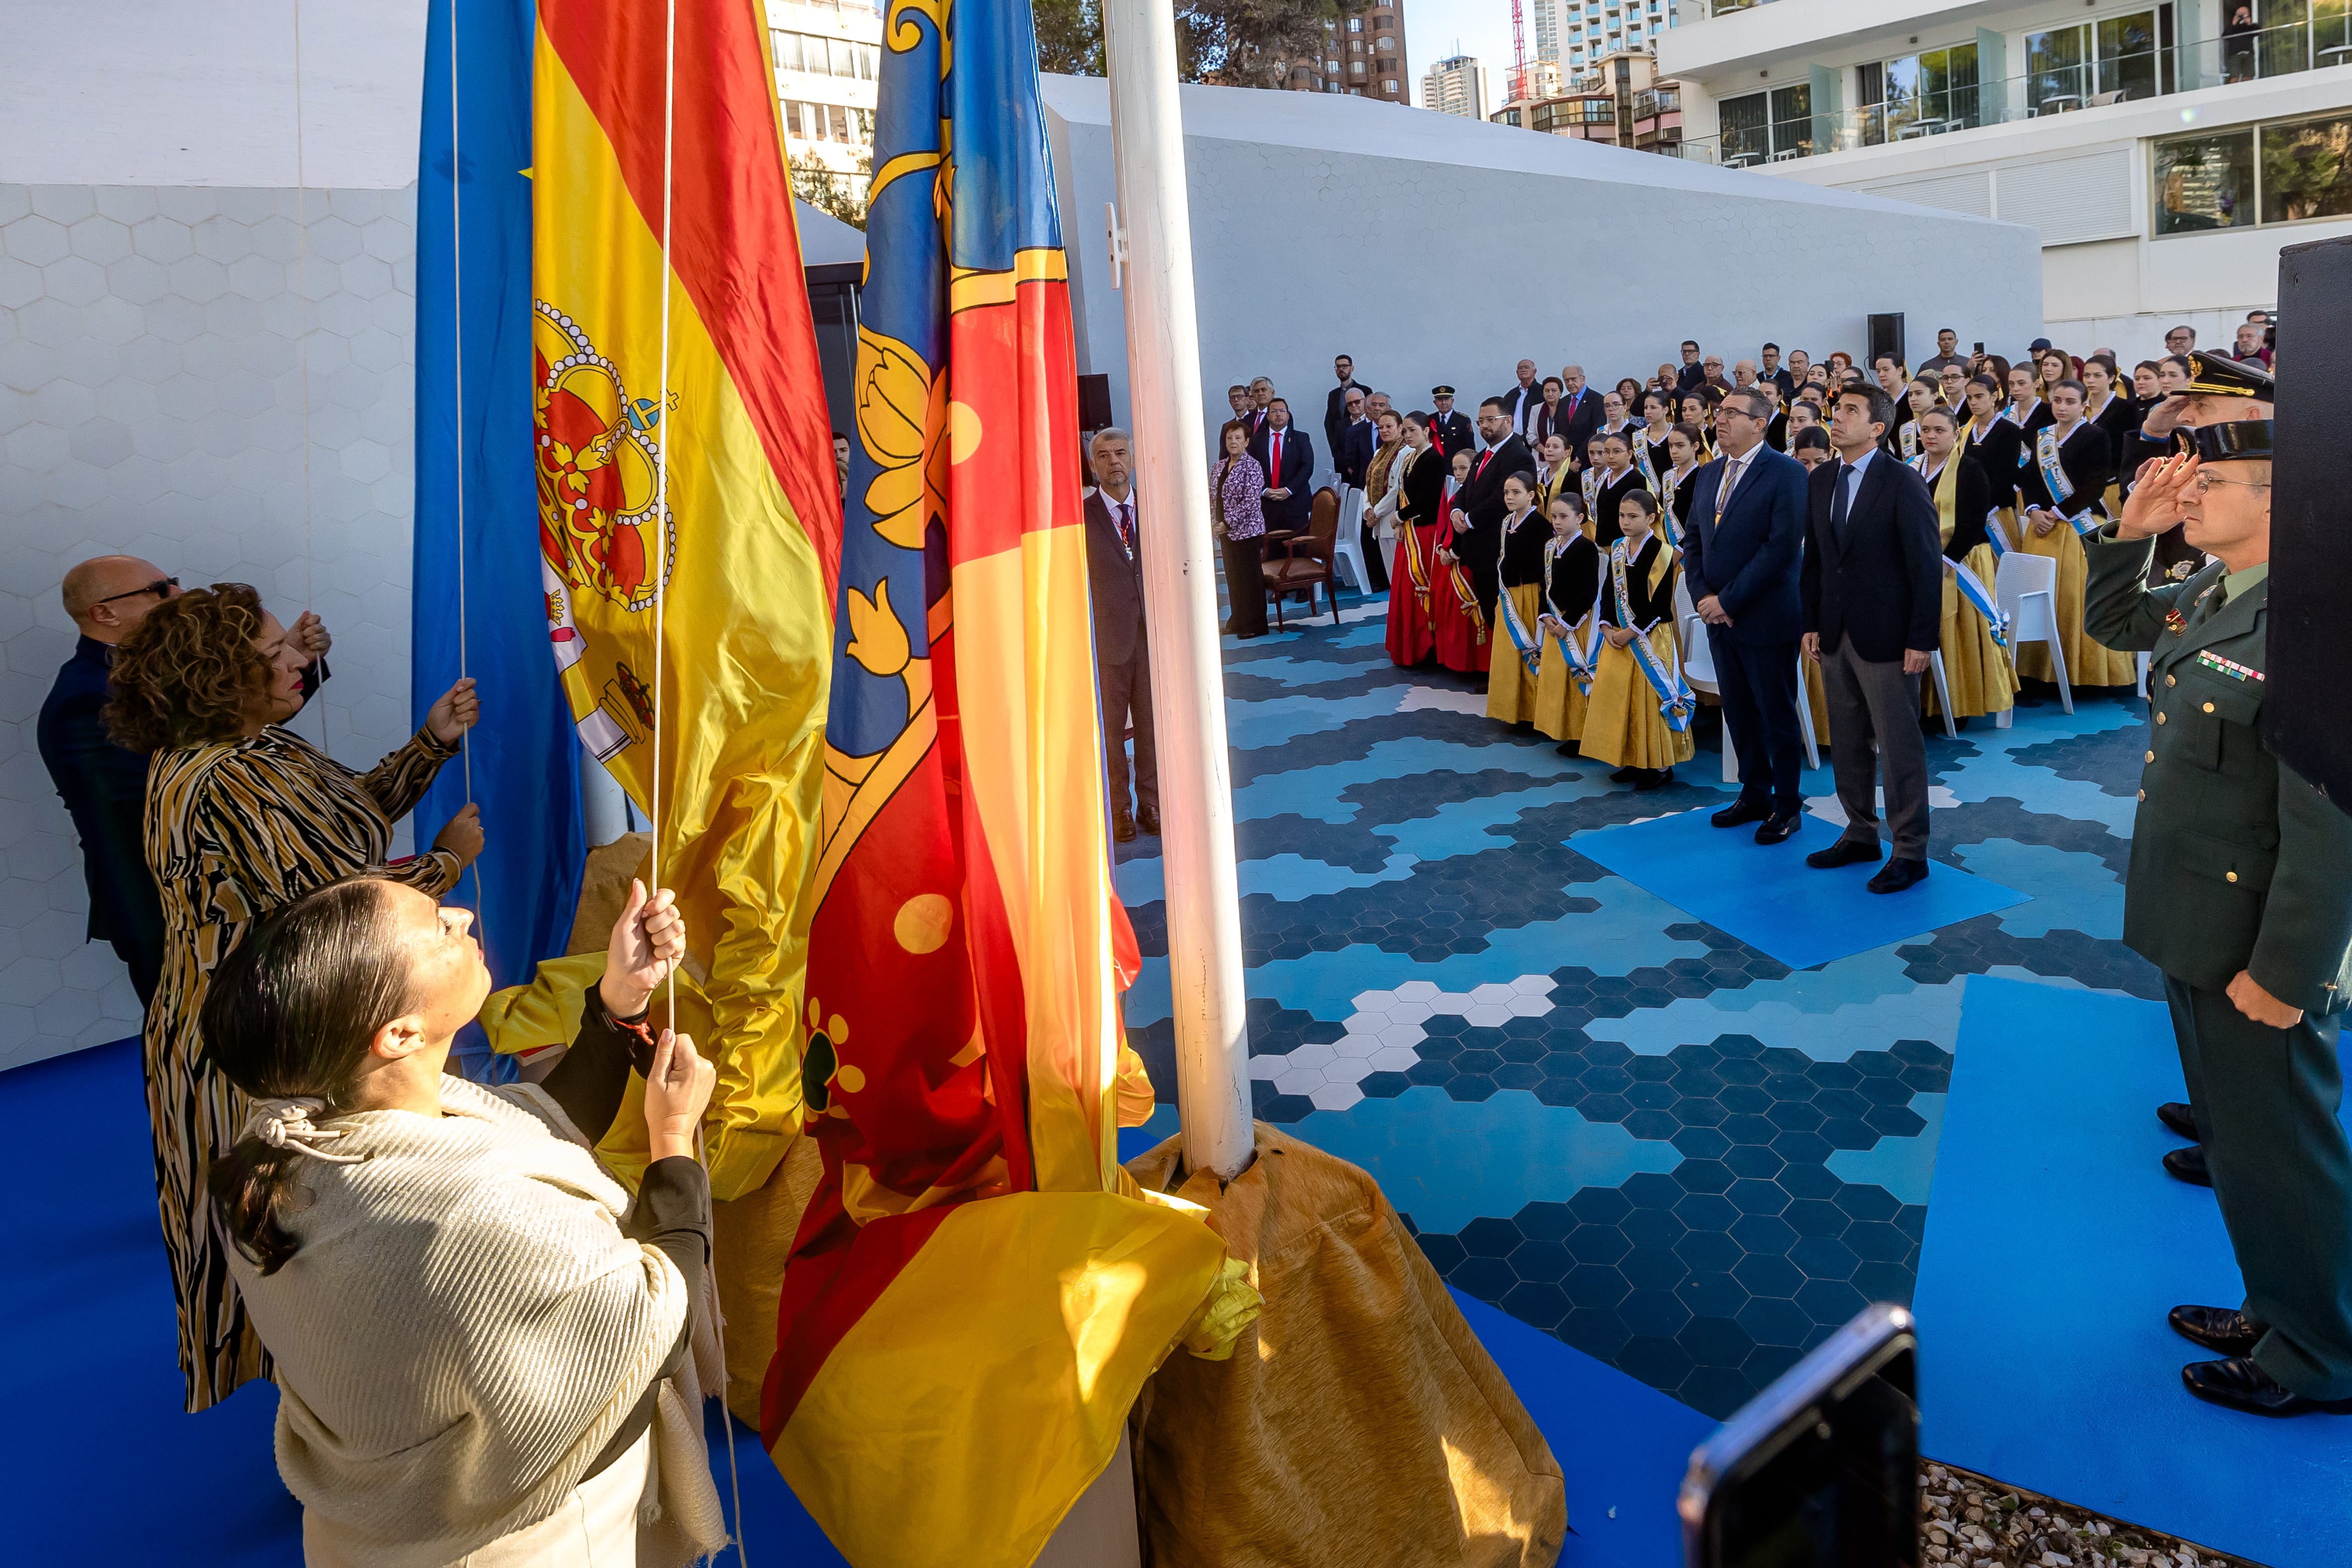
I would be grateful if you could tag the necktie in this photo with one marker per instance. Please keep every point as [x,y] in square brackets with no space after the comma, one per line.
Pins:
[1732,472]
[1276,455]
[1838,503]
[1127,525]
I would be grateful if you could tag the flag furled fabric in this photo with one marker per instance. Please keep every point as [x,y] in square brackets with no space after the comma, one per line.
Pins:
[746,551]
[476,584]
[973,1301]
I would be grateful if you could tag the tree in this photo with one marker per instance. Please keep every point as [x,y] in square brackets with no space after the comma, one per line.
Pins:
[824,187]
[1228,43]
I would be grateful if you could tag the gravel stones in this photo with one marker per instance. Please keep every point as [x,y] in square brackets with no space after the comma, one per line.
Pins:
[1971,1521]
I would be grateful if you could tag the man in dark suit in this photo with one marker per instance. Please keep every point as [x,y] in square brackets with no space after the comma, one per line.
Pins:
[1288,454]
[1480,501]
[1355,440]
[1778,374]
[104,785]
[1335,406]
[1741,551]
[1449,432]
[1874,587]
[1122,650]
[1520,403]
[1688,378]
[1261,392]
[1583,412]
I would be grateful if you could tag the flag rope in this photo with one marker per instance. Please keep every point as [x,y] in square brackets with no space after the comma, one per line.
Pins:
[302,336]
[457,375]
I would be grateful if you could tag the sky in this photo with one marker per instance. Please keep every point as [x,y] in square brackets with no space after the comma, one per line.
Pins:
[1481,28]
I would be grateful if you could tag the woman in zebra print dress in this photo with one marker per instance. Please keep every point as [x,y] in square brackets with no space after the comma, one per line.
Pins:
[243,816]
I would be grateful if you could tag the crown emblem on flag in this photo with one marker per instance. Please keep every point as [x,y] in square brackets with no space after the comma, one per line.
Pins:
[597,450]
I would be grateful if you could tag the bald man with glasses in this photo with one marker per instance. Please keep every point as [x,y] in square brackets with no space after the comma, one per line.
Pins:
[103,786]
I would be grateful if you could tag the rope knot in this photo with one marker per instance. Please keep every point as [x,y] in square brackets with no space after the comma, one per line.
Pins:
[285,1125]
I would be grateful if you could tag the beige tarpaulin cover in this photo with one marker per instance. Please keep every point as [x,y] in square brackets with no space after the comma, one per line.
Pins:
[1362,1422]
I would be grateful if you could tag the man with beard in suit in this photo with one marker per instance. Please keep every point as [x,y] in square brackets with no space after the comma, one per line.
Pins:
[1478,536]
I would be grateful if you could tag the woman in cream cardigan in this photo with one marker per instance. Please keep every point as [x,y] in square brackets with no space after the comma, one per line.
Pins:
[480,1338]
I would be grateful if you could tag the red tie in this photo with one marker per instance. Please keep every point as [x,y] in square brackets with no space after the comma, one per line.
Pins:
[1484,458]
[1277,454]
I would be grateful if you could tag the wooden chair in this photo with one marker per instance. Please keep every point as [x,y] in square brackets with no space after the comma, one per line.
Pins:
[1305,563]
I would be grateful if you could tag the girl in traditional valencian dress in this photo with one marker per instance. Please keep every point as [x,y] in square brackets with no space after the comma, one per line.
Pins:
[1639,716]
[1458,621]
[1511,675]
[1418,490]
[2066,473]
[1976,653]
[1566,624]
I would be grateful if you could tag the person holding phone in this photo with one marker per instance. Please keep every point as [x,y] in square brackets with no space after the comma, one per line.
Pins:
[482,1341]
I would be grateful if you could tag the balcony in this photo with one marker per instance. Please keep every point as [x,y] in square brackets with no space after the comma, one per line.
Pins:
[1782,126]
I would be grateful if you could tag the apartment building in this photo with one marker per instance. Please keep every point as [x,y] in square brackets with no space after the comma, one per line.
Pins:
[2164,150]
[1364,53]
[829,57]
[1578,33]
[1619,98]
[1456,86]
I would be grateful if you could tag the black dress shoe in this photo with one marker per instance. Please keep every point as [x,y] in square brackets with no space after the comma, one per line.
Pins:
[1780,828]
[1845,851]
[1655,779]
[1568,747]
[2177,1119]
[1147,819]
[1625,774]
[1899,876]
[1122,828]
[2189,1165]
[2223,1329]
[2237,1384]
[1740,812]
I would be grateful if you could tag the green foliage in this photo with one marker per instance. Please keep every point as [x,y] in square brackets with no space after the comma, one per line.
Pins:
[1231,42]
[822,187]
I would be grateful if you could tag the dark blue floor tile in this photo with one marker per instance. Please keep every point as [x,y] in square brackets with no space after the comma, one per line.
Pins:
[1651,1269]
[1652,1228]
[1490,1237]
[1596,1285]
[1769,1274]
[1708,1251]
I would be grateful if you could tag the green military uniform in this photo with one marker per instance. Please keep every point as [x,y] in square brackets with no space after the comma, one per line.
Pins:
[2238,864]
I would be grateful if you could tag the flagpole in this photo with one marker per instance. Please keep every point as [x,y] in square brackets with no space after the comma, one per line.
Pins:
[1180,591]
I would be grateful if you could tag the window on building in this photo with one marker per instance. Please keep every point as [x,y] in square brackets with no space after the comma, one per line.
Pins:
[1355,68]
[2106,61]
[1355,23]
[1761,125]
[840,121]
[1384,45]
[791,118]
[1936,89]
[1355,45]
[2205,183]
[2306,170]
[1388,88]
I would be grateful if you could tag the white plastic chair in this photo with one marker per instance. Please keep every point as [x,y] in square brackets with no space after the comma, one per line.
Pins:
[2026,588]
[1347,545]
[1699,668]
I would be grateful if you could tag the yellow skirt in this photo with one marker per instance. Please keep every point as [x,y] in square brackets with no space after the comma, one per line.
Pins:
[1976,668]
[2087,663]
[1561,703]
[1622,725]
[1510,690]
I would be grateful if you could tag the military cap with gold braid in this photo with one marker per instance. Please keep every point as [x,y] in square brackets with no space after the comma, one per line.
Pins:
[2213,375]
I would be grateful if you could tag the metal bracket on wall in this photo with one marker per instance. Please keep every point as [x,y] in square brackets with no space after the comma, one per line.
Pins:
[1117,236]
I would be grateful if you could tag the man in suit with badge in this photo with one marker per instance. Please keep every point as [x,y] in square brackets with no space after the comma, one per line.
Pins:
[2239,890]
[1449,431]
[1478,504]
[1122,650]
[1288,454]
[1742,556]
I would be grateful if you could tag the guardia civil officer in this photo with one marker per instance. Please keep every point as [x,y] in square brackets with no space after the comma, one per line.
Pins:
[2241,891]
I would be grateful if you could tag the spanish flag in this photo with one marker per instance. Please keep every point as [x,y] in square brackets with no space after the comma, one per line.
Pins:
[977,1292]
[662,218]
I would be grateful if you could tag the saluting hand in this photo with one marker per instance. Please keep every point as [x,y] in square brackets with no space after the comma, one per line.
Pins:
[2159,496]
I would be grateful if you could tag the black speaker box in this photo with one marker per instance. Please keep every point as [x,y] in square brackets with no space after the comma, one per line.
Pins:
[1886,338]
[2307,713]
[1094,403]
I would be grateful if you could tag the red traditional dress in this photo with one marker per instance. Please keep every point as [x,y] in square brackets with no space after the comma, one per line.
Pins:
[1413,574]
[1463,639]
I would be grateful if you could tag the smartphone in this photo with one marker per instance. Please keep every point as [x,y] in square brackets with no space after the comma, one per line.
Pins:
[1820,1469]
[1979,348]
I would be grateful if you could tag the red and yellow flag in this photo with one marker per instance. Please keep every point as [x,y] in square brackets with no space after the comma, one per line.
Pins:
[744,549]
[977,1292]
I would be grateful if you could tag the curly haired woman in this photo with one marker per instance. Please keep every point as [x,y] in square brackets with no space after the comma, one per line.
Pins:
[243,817]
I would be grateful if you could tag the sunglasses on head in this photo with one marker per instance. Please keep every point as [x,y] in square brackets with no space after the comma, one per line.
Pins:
[158,587]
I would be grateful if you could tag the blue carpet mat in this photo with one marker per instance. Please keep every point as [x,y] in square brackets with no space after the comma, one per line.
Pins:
[1771,900]
[2056,1245]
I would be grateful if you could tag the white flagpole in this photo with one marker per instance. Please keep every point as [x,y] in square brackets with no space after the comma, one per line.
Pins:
[1180,590]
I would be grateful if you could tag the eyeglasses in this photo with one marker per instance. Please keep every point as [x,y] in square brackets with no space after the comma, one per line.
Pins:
[2204,482]
[159,588]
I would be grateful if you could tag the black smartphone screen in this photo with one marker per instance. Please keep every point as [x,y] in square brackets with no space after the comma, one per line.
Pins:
[1837,1487]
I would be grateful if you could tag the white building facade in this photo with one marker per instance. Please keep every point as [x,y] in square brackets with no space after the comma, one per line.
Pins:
[2163,159]
[1577,33]
[1456,86]
[828,56]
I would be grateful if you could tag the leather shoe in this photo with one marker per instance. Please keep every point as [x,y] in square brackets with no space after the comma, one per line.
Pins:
[2237,1384]
[1122,828]
[1147,819]
[1899,876]
[1845,851]
[1626,775]
[2189,1165]
[1780,828]
[1655,779]
[1741,811]
[2177,1119]
[2224,1329]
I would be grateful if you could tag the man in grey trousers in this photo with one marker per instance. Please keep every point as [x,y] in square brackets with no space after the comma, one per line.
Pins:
[1872,588]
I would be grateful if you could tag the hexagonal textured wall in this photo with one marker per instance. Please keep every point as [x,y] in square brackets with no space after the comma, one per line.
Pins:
[152,401]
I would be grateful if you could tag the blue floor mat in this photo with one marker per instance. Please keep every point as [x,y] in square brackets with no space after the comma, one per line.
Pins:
[2056,1245]
[1771,900]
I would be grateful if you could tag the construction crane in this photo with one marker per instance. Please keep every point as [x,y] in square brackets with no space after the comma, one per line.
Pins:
[1518,53]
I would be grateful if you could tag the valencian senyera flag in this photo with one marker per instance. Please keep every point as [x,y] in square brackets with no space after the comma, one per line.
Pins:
[977,1292]
[745,547]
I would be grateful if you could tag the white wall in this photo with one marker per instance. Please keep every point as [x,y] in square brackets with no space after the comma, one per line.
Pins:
[1436,249]
[156,315]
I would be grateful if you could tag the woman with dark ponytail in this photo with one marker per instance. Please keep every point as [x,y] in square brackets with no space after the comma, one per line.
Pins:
[486,1351]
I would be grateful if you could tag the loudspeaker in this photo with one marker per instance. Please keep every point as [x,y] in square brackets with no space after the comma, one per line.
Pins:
[1886,338]
[2307,712]
[1094,403]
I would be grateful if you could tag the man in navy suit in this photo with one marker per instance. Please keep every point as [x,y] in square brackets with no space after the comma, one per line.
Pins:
[1743,557]
[1287,456]
[1354,443]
